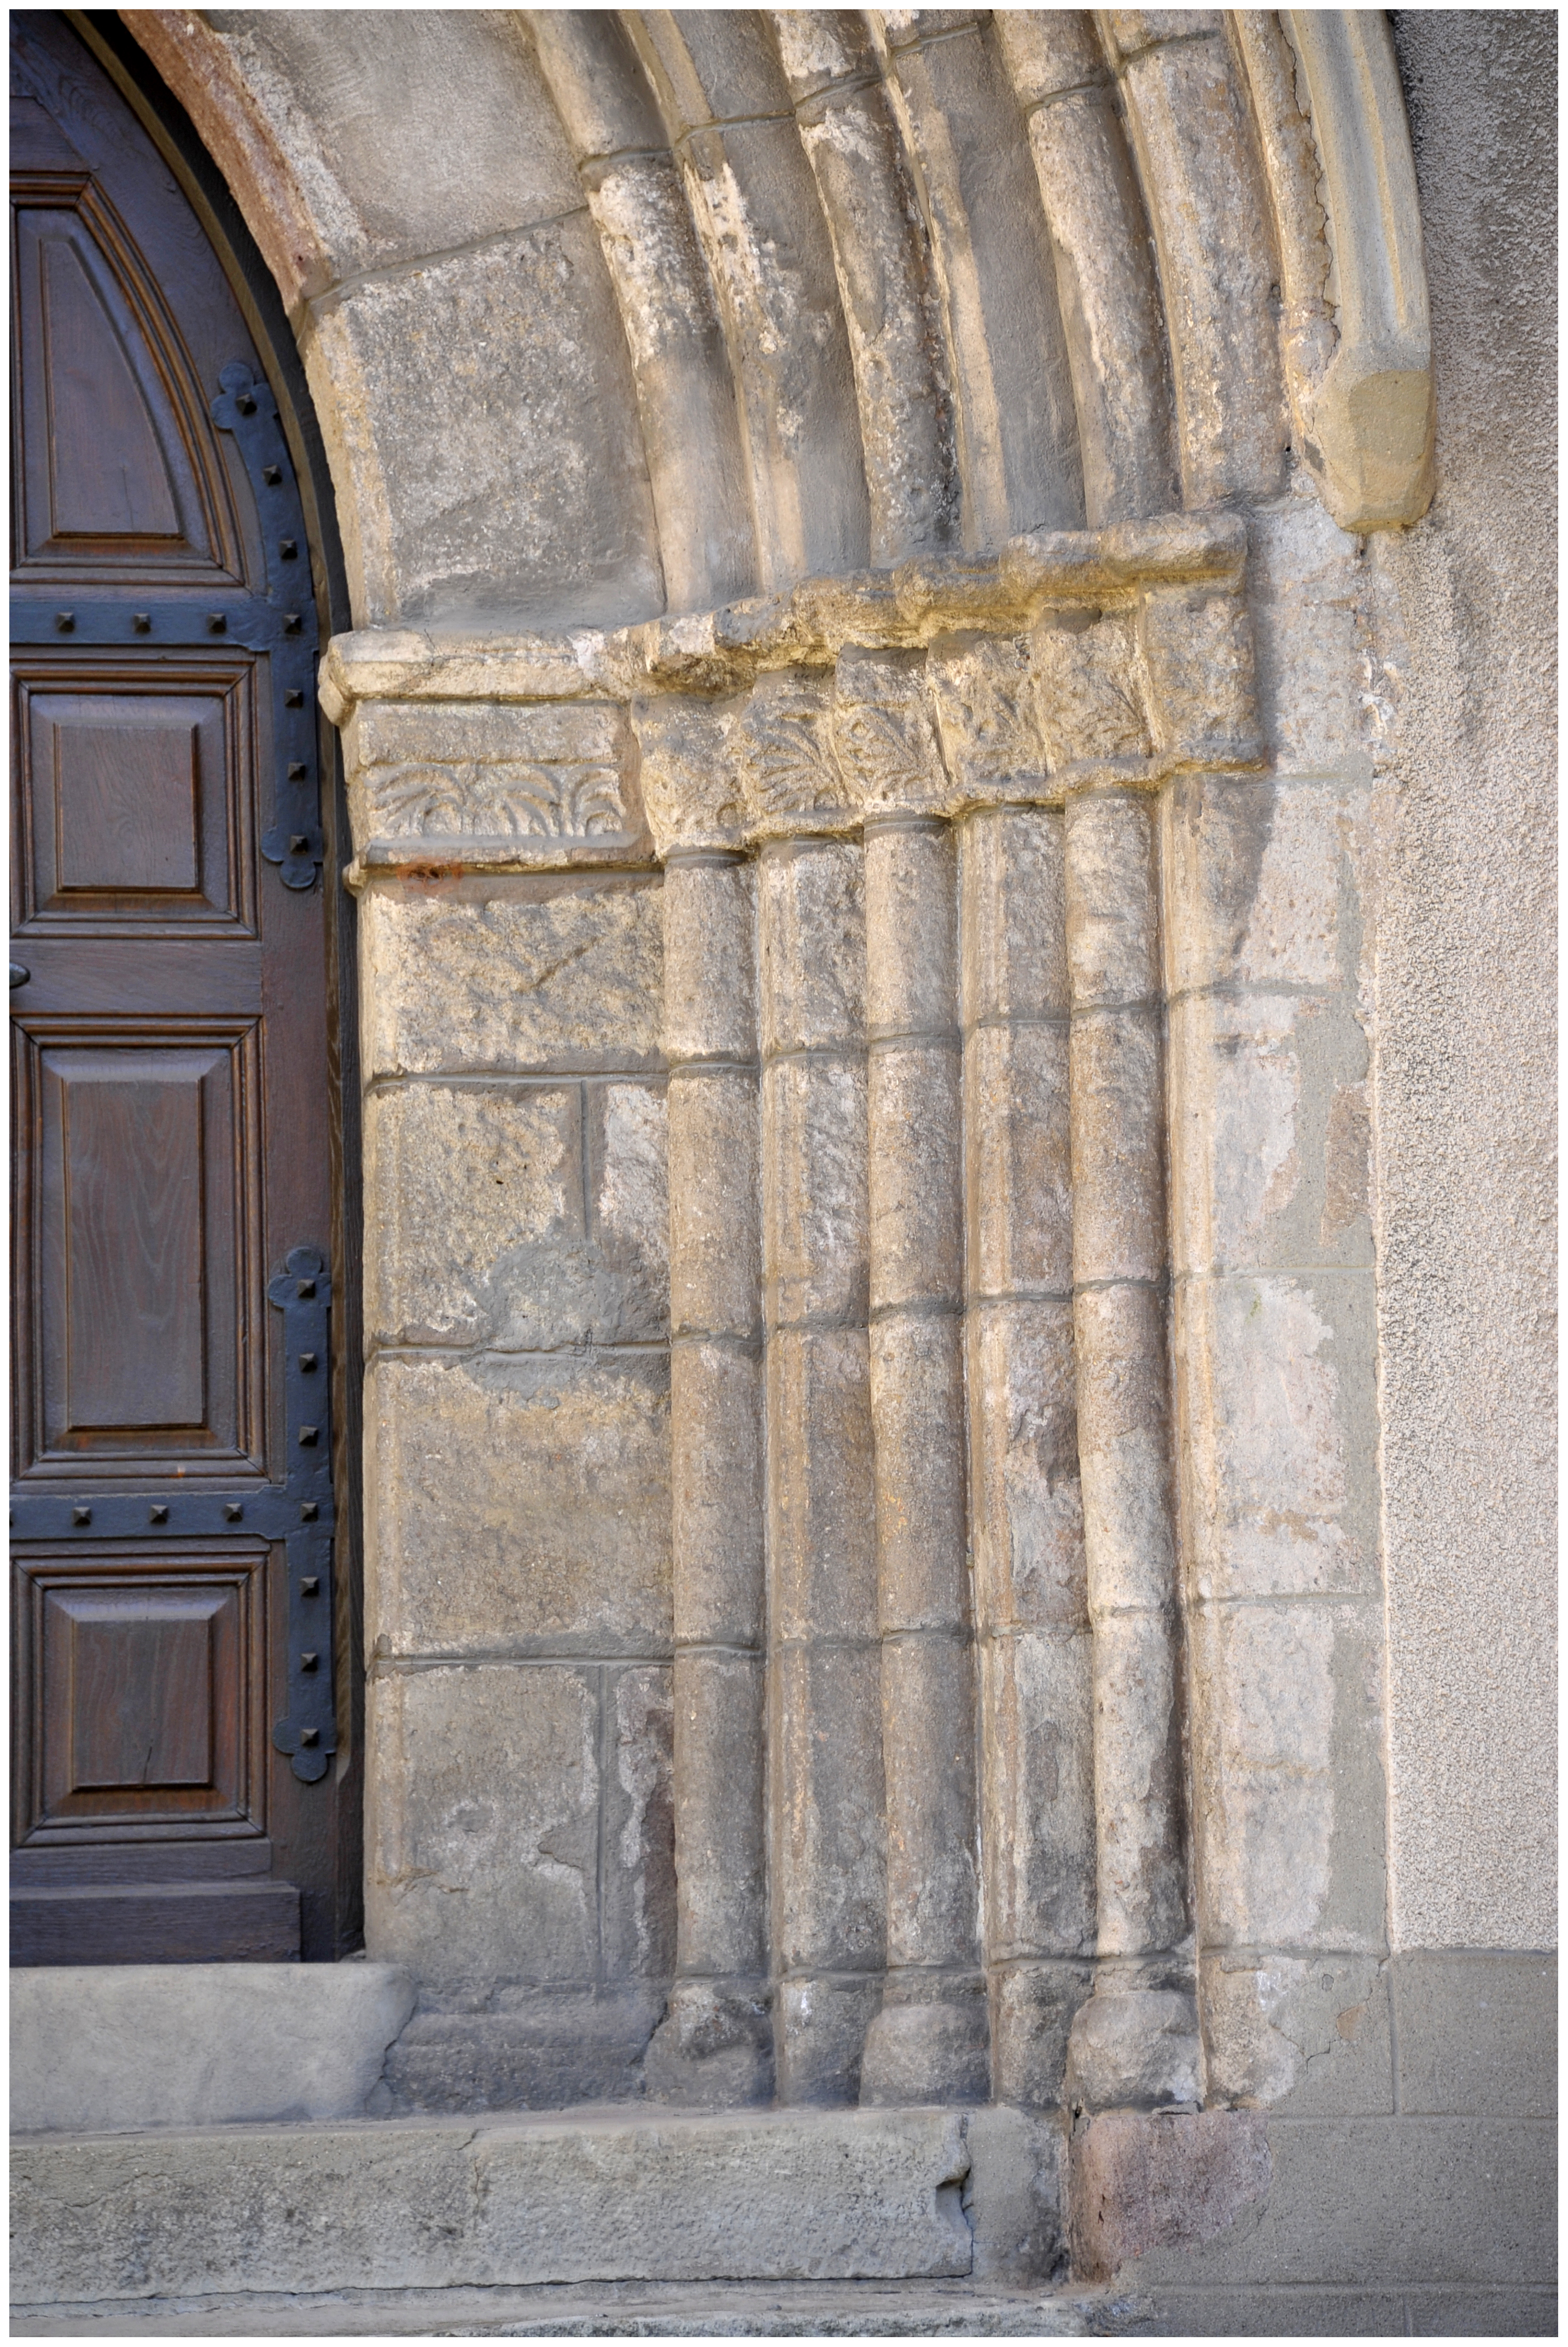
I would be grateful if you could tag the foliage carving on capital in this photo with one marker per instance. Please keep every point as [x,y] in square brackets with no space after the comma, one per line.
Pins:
[790,775]
[884,733]
[1089,696]
[982,693]
[691,786]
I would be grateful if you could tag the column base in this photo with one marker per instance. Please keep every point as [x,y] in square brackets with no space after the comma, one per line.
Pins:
[1133,2047]
[823,2021]
[714,2046]
[929,2043]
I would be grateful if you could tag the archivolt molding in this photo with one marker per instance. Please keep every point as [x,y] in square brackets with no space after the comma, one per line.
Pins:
[900,282]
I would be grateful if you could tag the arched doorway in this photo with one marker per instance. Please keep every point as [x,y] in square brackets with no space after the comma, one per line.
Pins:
[183,1696]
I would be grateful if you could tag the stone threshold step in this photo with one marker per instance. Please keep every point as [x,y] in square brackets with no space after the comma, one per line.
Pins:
[849,2309]
[515,2200]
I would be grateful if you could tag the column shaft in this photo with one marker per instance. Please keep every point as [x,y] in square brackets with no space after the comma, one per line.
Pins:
[928,2043]
[1031,1614]
[715,2044]
[1138,2040]
[829,1873]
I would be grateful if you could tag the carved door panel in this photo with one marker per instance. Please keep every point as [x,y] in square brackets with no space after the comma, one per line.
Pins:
[171,1495]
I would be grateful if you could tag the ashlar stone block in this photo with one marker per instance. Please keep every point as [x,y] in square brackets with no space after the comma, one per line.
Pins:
[518,1502]
[482,1785]
[1277,1439]
[508,975]
[475,1213]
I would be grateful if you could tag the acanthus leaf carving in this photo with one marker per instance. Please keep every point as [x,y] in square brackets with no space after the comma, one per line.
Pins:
[790,775]
[1089,697]
[982,691]
[882,732]
[690,789]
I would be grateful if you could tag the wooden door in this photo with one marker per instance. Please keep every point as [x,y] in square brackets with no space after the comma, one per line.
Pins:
[172,1491]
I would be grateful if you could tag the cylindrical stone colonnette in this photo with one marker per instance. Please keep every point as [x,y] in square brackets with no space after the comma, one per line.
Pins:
[1031,1620]
[716,2043]
[1137,2040]
[928,2043]
[828,1835]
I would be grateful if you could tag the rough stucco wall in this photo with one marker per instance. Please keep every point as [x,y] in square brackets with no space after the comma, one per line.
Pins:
[1464,1090]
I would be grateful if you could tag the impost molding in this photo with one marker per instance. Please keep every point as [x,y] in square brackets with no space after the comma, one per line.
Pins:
[1072,660]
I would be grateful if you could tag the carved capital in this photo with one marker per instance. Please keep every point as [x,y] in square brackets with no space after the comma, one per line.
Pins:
[884,733]
[982,692]
[691,785]
[491,784]
[790,776]
[1090,700]
[1196,642]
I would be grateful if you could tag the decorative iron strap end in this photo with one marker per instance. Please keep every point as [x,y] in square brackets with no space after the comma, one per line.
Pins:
[247,408]
[302,1292]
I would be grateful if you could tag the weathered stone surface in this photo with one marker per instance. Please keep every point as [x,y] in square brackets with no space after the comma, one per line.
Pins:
[928,1744]
[1310,2034]
[107,2046]
[415,2205]
[721,1873]
[1268,1093]
[1269,882]
[1016,1133]
[1162,2181]
[914,1173]
[1123,1448]
[823,2022]
[811,903]
[518,1501]
[918,1422]
[483,772]
[830,1890]
[477,1228]
[1134,2047]
[911,930]
[1012,882]
[1289,1774]
[1017,2165]
[445,503]
[478,2045]
[1036,1706]
[1140,1790]
[1112,925]
[348,101]
[482,976]
[933,2050]
[483,1828]
[715,2048]
[637,1907]
[815,1190]
[1118,1155]
[821,1509]
[715,1268]
[1023,1452]
[716,1493]
[1276,1389]
[709,961]
[1032,2006]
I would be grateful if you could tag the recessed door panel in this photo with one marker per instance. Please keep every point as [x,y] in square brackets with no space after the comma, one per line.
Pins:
[135,794]
[111,471]
[144,1672]
[147,1169]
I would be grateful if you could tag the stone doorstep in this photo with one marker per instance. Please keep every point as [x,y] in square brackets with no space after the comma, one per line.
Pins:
[596,2196]
[851,2310]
